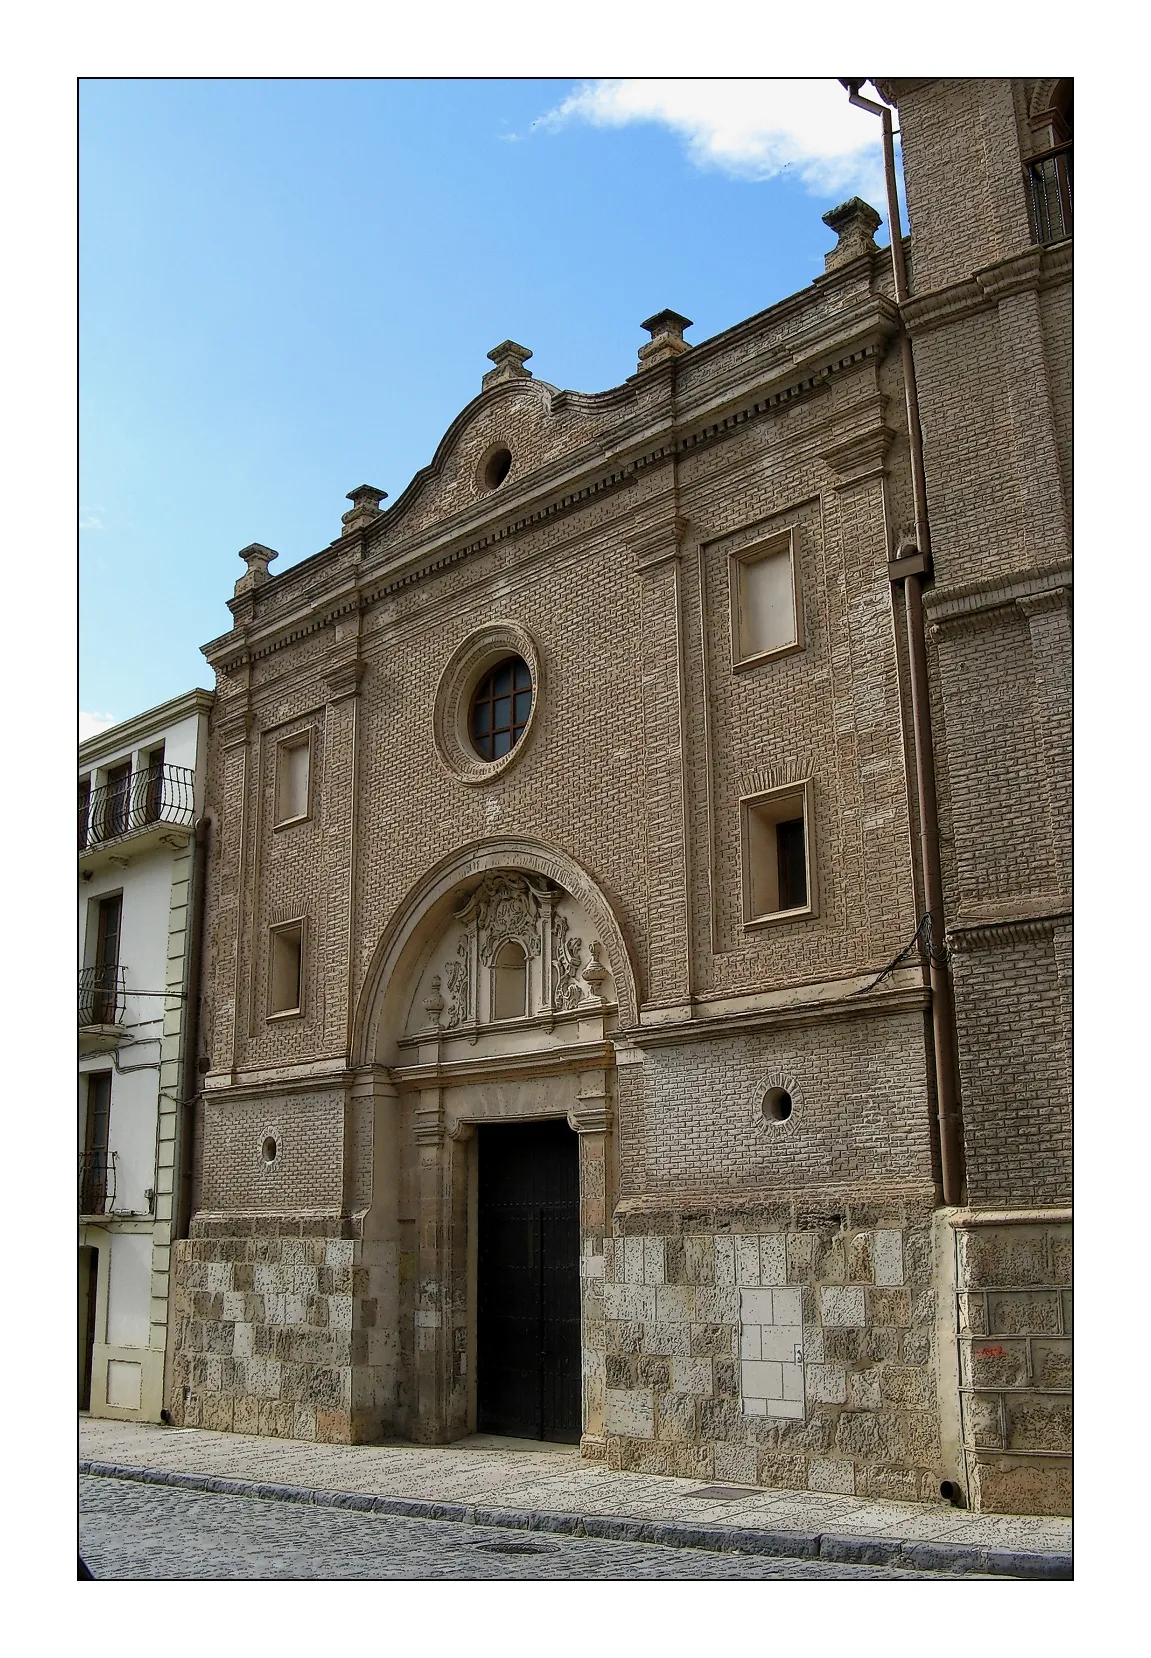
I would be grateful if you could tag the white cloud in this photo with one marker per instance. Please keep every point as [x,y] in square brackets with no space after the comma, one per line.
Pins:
[91,724]
[91,518]
[753,129]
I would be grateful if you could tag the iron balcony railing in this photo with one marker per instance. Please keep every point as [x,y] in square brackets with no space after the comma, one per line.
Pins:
[1049,190]
[102,998]
[97,1182]
[157,794]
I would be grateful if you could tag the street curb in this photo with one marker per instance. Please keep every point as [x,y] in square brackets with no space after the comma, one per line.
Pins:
[857,1551]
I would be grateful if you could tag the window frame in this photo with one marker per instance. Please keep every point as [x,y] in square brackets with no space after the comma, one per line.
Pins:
[297,924]
[298,739]
[802,790]
[768,546]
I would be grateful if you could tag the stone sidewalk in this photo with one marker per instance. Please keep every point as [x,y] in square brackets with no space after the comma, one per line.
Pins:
[483,1480]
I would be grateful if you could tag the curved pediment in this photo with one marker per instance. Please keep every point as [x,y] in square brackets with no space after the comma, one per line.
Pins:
[536,425]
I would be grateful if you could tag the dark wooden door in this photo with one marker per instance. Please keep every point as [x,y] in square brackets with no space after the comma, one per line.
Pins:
[528,1364]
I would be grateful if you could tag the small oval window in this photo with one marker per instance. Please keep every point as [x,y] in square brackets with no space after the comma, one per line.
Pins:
[499,464]
[270,1150]
[776,1105]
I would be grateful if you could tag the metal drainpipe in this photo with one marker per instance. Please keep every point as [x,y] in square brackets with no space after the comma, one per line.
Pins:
[190,1089]
[911,566]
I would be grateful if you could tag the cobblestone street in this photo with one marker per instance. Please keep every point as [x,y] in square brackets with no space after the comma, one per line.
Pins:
[132,1531]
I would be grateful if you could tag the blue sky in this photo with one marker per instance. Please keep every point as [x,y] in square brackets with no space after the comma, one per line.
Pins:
[288,288]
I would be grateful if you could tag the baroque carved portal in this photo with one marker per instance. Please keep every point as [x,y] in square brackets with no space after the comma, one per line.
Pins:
[563,972]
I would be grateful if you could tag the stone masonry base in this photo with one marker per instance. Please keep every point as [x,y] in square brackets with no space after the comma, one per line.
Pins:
[779,1345]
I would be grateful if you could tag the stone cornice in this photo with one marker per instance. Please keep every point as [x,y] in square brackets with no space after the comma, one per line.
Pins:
[994,935]
[578,1056]
[885,1003]
[811,362]
[1035,268]
[948,606]
[142,728]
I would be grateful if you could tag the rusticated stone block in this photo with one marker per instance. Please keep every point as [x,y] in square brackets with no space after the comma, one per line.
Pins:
[652,1372]
[1038,1422]
[877,1346]
[689,1375]
[901,1485]
[857,1435]
[670,1340]
[618,1369]
[1023,1312]
[720,1419]
[674,1262]
[813,1436]
[699,1260]
[773,1259]
[830,1474]
[993,1364]
[676,1417]
[917,1346]
[917,1258]
[861,1260]
[1059,1251]
[843,1307]
[1051,1364]
[778,1470]
[973,1314]
[1003,1257]
[629,1412]
[982,1419]
[1008,1487]
[246,1415]
[826,1384]
[334,1427]
[863,1388]
[888,1306]
[624,1337]
[738,1463]
[726,1373]
[713,1340]
[906,1385]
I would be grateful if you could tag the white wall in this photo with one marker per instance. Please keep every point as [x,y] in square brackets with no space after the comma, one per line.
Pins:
[129,1288]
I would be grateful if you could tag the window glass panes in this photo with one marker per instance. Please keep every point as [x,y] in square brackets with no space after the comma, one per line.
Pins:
[501,707]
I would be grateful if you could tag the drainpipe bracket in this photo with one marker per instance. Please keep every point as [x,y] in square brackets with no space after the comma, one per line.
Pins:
[912,564]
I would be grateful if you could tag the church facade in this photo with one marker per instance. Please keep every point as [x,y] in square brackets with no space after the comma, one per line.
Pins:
[569,1022]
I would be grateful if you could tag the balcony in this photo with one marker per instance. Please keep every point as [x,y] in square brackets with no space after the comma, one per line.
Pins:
[97,1182]
[101,1008]
[1049,194]
[148,806]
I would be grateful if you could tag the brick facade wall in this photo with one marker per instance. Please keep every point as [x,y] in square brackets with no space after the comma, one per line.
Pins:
[610,543]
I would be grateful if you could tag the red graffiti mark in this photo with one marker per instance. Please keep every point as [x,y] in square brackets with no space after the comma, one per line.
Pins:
[989,1353]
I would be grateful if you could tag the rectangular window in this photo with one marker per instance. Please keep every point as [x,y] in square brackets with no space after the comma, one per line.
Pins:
[151,785]
[117,797]
[94,1161]
[293,765]
[105,973]
[286,989]
[765,618]
[778,880]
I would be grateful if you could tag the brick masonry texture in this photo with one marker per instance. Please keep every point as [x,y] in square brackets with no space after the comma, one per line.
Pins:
[610,543]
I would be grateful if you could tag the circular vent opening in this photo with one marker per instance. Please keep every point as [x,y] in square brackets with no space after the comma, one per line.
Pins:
[270,1150]
[776,1105]
[499,464]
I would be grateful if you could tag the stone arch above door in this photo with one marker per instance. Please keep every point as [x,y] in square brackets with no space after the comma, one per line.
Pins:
[508,887]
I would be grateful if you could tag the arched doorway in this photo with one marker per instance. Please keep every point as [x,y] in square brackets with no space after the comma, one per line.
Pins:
[488,1054]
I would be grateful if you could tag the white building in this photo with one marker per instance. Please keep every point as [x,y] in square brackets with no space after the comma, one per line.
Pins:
[140,798]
